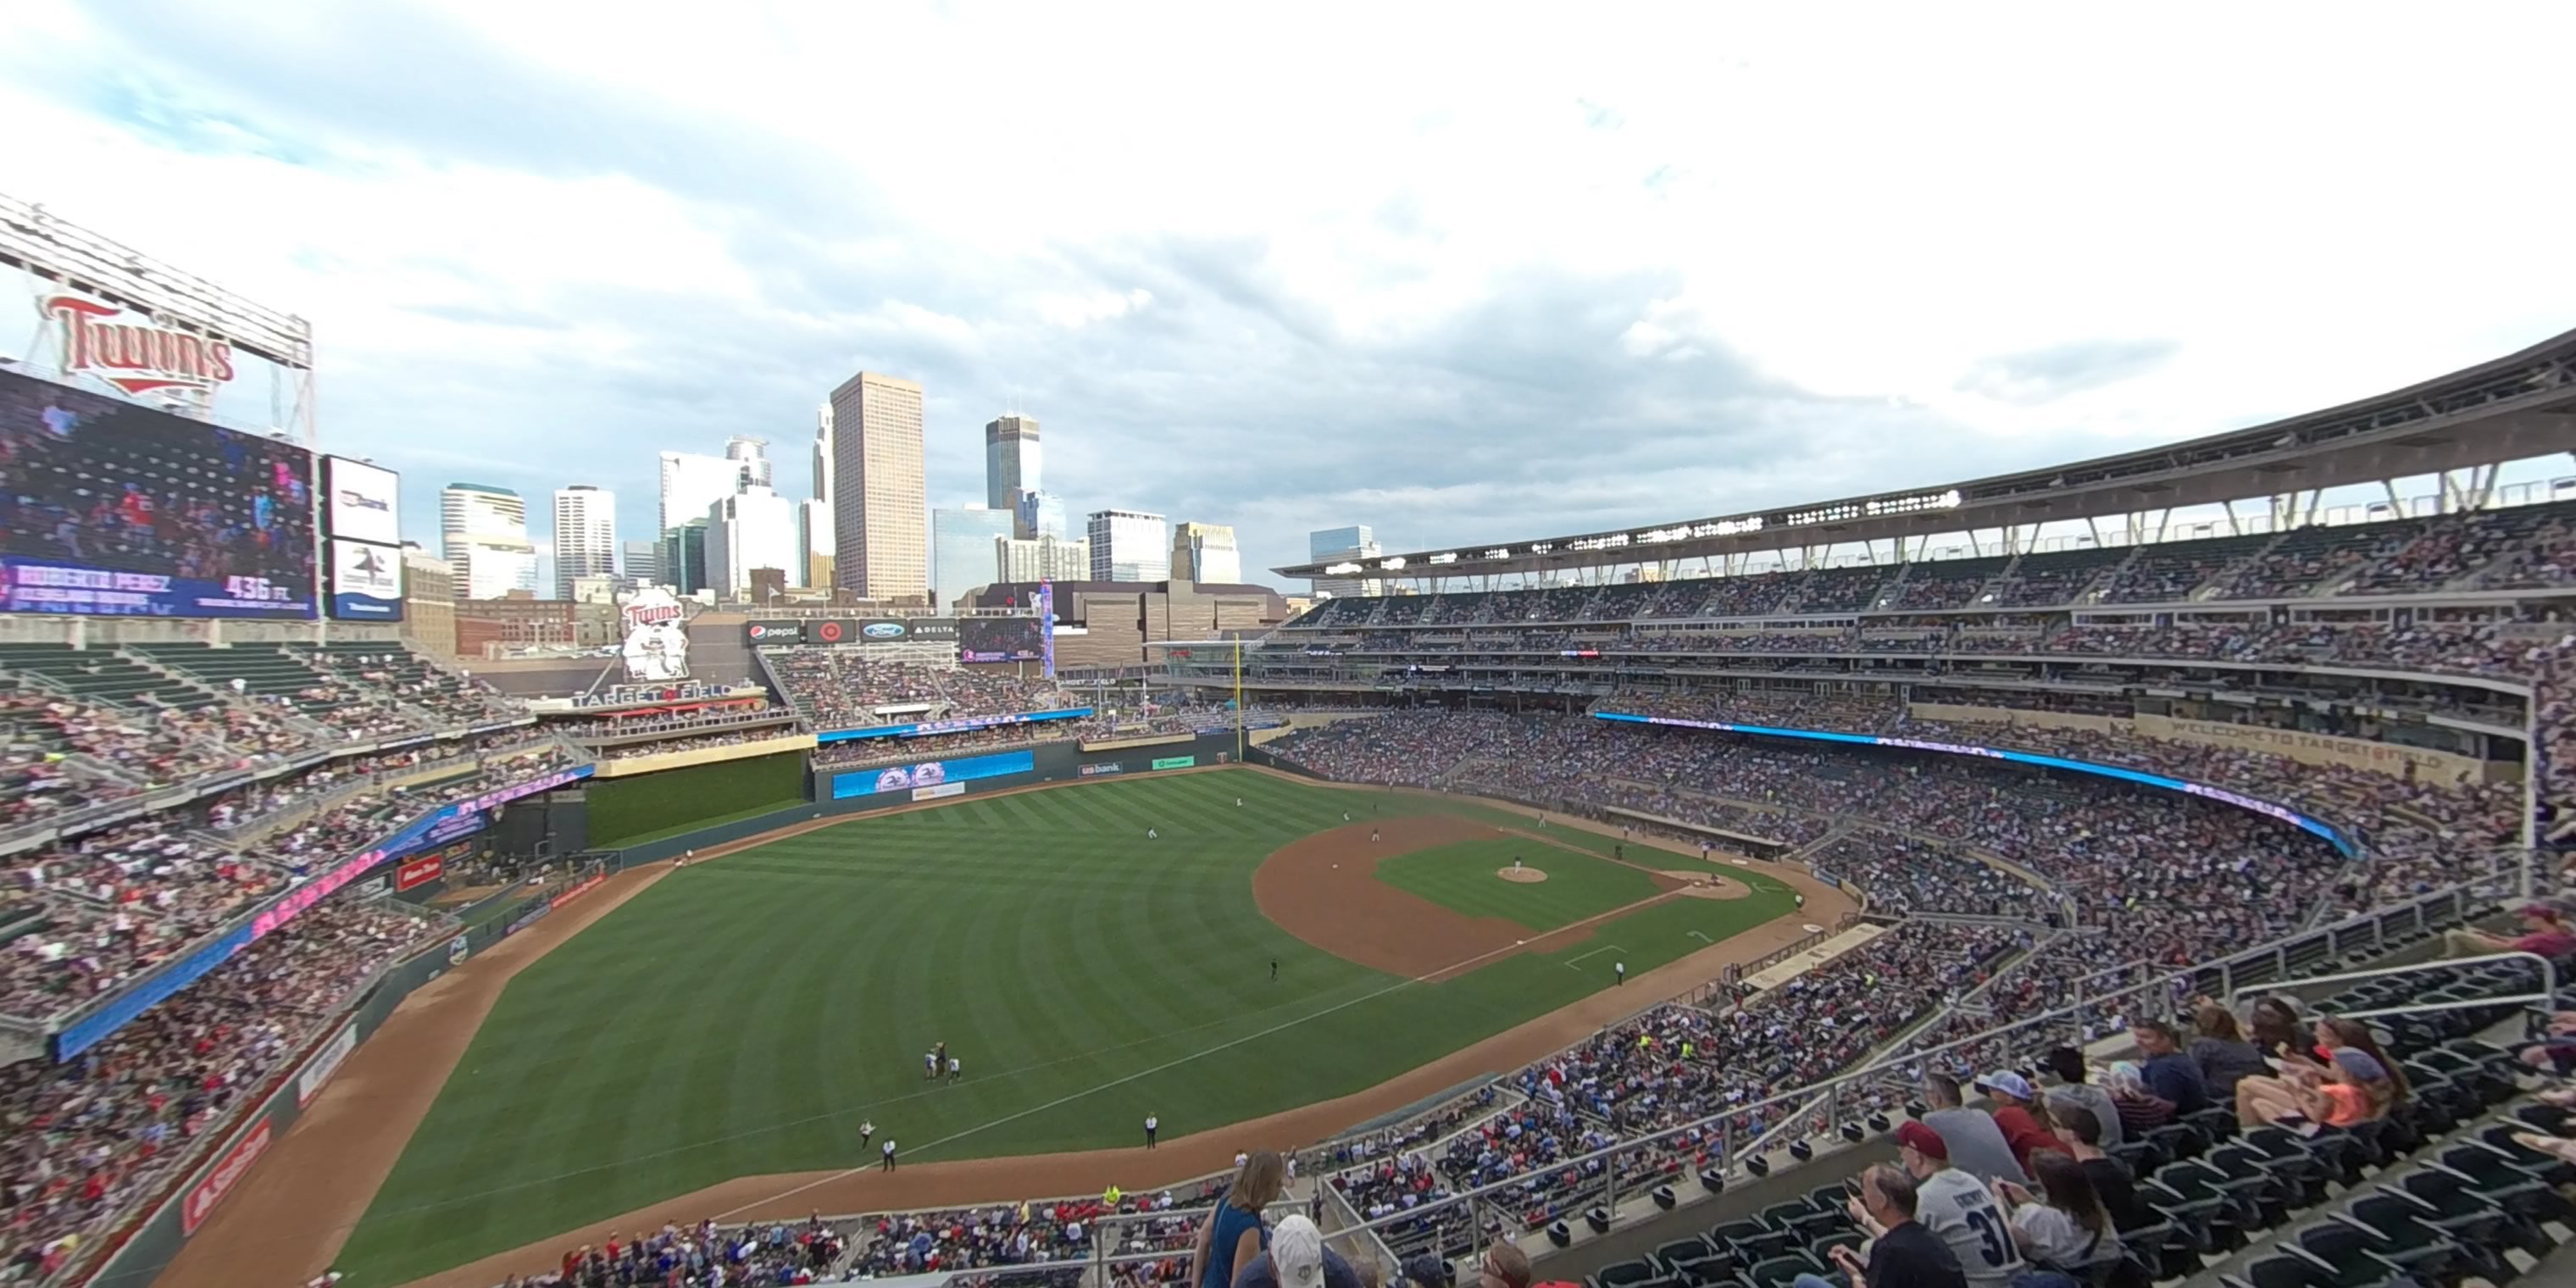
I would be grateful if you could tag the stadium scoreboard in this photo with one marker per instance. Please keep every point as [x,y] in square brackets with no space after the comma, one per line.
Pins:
[112,509]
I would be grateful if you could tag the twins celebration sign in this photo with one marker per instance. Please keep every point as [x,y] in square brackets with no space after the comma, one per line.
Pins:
[657,643]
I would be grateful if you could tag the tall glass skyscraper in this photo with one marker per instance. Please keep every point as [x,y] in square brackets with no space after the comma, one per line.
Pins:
[1037,514]
[1012,460]
[1130,545]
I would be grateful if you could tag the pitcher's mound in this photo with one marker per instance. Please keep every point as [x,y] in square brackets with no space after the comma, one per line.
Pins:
[1703,886]
[1522,875]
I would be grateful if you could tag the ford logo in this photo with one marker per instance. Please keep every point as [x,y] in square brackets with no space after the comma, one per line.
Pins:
[882,630]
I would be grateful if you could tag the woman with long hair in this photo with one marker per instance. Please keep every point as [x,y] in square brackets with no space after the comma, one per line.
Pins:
[1234,1235]
[2221,1051]
[2064,1231]
[2356,1082]
[2277,1030]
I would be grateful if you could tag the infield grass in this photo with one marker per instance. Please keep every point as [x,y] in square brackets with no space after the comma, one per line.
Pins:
[742,1016]
[1462,877]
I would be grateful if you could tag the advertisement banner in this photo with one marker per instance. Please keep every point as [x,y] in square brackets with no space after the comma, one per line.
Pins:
[364,502]
[931,773]
[835,631]
[578,889]
[1106,767]
[366,582]
[934,793]
[937,630]
[526,919]
[119,510]
[420,872]
[326,1062]
[958,725]
[1046,625]
[1175,762]
[228,1173]
[440,833]
[456,950]
[758,633]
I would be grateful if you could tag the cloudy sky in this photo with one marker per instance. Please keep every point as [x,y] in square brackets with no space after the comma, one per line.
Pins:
[1466,273]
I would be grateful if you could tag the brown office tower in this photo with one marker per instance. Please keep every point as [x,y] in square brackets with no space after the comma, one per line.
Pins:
[881,515]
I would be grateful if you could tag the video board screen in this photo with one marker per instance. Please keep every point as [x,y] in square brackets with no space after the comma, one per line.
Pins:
[999,639]
[925,779]
[111,509]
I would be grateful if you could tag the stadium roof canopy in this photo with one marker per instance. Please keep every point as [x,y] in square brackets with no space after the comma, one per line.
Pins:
[2515,407]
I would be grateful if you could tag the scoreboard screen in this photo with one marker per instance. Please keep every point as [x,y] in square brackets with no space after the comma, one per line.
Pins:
[111,509]
[1000,639]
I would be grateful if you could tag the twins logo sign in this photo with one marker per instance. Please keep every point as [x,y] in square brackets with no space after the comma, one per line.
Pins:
[133,354]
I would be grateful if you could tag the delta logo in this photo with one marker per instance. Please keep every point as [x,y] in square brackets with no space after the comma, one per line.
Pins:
[135,355]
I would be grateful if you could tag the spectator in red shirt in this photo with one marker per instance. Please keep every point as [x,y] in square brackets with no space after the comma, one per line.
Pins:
[2014,1103]
[2544,932]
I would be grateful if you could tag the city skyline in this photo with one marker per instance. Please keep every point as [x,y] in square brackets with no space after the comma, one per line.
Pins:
[1335,325]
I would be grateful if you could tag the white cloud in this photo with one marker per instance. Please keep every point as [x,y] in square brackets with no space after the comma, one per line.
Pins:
[1243,266]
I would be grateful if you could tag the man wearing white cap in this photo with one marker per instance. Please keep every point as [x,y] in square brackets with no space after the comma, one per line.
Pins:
[1298,1259]
[2013,1098]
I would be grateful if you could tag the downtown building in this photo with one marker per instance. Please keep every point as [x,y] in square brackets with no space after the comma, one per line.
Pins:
[585,535]
[1129,545]
[751,530]
[880,497]
[1013,461]
[1036,559]
[483,535]
[1343,545]
[1205,552]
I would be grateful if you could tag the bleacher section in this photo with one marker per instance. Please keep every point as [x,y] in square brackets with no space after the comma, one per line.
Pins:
[155,807]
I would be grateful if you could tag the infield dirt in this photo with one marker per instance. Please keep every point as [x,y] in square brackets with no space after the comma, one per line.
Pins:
[288,1219]
[1324,889]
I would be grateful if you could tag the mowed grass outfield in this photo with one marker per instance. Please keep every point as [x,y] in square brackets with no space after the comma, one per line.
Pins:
[742,1016]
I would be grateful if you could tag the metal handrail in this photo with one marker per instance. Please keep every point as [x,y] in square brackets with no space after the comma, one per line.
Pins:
[2548,983]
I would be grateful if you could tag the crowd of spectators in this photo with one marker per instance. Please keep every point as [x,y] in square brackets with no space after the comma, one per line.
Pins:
[119,901]
[1032,1232]
[847,689]
[2151,879]
[87,1138]
[759,1253]
[96,909]
[426,694]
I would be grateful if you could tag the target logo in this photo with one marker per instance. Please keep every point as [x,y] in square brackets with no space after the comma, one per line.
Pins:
[828,632]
